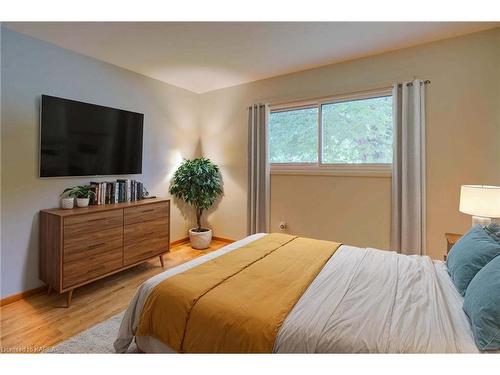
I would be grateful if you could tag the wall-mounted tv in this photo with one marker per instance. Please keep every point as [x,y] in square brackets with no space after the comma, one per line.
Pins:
[82,139]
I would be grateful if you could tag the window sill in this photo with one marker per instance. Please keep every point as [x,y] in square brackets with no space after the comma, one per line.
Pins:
[350,170]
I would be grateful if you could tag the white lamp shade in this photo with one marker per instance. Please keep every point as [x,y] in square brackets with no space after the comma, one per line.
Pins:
[480,200]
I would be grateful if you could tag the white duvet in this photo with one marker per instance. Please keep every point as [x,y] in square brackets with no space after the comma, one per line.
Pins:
[362,301]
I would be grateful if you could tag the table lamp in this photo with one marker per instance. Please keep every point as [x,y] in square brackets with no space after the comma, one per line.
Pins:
[480,201]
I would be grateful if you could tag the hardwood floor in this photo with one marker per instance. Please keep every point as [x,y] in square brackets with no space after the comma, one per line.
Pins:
[41,321]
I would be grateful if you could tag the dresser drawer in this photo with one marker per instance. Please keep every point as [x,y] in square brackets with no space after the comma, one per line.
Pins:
[85,245]
[85,269]
[148,248]
[145,212]
[145,240]
[138,232]
[86,223]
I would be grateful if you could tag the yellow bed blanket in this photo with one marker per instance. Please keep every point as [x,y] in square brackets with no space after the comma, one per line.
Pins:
[237,302]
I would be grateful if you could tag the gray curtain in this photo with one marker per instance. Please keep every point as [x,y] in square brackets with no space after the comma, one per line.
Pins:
[258,169]
[408,224]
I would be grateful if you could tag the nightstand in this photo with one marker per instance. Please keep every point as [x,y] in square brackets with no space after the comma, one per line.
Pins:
[451,239]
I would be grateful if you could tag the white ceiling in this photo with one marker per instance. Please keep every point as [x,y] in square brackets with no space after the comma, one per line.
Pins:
[202,56]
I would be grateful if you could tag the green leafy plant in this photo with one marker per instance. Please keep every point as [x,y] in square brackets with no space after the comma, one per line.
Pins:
[81,191]
[198,183]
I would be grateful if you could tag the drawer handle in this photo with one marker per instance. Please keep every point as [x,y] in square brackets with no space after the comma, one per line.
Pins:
[99,219]
[151,209]
[95,245]
[98,269]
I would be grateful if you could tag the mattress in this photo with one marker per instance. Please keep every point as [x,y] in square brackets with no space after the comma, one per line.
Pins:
[363,301]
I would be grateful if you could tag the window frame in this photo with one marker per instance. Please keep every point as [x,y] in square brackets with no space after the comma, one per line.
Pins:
[339,169]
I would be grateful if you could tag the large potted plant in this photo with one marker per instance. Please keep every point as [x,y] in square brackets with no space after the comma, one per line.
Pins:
[82,193]
[198,183]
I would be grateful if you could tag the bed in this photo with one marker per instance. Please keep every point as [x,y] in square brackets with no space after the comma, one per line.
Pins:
[363,300]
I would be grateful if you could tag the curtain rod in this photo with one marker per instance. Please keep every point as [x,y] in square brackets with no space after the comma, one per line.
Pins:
[426,82]
[381,87]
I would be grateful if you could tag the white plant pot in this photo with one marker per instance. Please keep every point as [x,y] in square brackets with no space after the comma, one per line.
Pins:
[200,240]
[82,202]
[67,203]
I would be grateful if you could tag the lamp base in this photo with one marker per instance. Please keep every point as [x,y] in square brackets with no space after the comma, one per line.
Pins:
[483,221]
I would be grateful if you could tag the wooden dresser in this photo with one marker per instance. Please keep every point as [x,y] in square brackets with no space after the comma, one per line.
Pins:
[81,245]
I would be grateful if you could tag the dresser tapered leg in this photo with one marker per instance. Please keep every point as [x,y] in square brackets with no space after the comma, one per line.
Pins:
[161,261]
[69,294]
[49,290]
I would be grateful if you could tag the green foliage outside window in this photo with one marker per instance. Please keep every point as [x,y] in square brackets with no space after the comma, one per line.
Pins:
[293,136]
[354,132]
[358,131]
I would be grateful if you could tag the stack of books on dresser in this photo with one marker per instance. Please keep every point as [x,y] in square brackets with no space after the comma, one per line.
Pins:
[117,191]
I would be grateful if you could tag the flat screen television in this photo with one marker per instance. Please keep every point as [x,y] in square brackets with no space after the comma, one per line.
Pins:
[82,139]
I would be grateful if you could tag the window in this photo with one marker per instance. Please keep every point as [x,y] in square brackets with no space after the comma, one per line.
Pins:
[293,136]
[344,133]
[358,131]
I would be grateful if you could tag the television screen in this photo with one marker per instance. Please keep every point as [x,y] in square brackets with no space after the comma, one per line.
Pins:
[82,139]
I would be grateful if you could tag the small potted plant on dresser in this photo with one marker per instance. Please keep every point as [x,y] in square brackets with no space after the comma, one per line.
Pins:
[82,193]
[67,201]
[198,183]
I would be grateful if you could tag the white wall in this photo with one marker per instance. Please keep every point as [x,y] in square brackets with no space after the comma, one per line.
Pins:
[350,210]
[463,145]
[30,68]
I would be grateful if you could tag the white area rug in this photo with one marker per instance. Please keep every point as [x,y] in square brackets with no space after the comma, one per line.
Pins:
[96,339]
